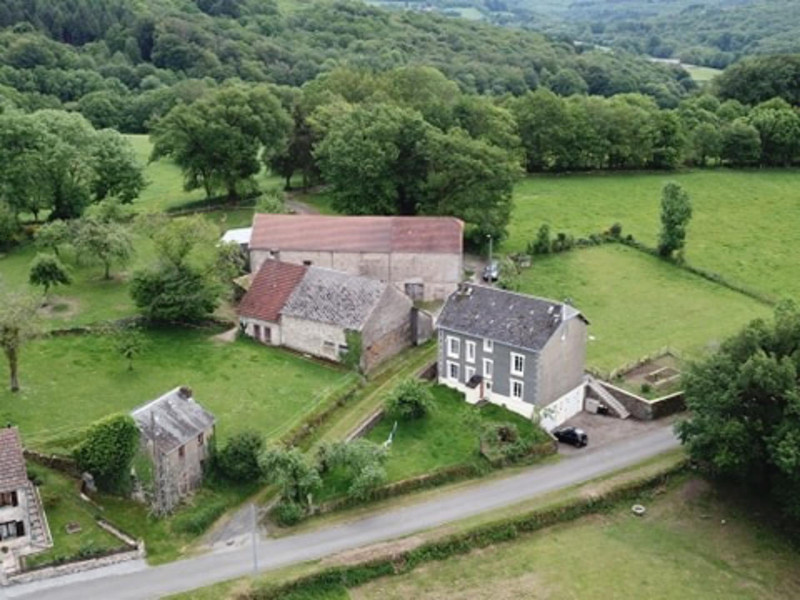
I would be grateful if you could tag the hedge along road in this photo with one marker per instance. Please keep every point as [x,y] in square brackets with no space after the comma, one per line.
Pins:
[137,581]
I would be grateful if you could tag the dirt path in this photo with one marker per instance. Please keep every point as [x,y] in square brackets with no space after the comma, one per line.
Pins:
[298,206]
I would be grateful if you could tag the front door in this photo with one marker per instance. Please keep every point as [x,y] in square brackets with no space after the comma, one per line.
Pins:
[257,332]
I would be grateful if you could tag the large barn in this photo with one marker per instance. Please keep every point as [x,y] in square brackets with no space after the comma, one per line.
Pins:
[421,256]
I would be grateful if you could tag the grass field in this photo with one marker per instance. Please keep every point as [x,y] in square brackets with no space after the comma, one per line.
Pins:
[638,304]
[62,506]
[702,74]
[744,226]
[68,382]
[690,544]
[165,181]
[448,436]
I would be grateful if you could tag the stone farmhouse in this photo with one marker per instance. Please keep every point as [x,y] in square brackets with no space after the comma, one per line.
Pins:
[313,310]
[23,525]
[524,353]
[175,435]
[421,256]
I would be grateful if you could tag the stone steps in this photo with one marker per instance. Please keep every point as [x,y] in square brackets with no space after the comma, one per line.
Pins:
[597,388]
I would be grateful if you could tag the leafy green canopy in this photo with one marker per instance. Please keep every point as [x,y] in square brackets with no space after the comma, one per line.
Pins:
[744,403]
[107,452]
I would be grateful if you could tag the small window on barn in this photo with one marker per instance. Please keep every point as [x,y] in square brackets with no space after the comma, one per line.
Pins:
[307,263]
[201,439]
[182,452]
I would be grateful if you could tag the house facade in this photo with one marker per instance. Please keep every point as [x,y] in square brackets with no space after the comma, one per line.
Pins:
[314,310]
[175,432]
[421,256]
[23,525]
[524,353]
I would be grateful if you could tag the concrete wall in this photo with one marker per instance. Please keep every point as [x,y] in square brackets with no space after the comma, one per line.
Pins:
[309,337]
[644,409]
[274,328]
[562,360]
[439,273]
[388,329]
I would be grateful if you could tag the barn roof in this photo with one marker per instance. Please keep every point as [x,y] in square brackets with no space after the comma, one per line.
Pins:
[270,289]
[432,235]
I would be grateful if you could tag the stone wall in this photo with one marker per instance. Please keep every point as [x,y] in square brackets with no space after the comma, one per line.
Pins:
[644,409]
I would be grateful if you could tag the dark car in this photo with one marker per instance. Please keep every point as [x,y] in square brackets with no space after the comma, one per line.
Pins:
[573,436]
[491,272]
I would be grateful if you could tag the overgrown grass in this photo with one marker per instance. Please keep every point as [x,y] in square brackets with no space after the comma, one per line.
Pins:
[68,382]
[744,225]
[691,543]
[638,304]
[63,505]
[449,435]
[169,538]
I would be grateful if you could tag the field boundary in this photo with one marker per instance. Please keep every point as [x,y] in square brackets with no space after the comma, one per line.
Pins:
[502,530]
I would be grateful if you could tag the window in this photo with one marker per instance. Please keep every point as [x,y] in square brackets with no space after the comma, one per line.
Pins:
[201,439]
[488,364]
[453,346]
[471,352]
[469,372]
[488,345]
[452,370]
[307,263]
[11,530]
[517,364]
[182,452]
[343,348]
[516,389]
[8,499]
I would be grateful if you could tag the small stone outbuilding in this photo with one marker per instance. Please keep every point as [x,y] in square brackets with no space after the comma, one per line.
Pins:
[175,436]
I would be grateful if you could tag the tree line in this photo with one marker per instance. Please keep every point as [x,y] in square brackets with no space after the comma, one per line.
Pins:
[122,63]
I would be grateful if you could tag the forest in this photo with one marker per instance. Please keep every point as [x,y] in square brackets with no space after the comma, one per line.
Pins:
[132,61]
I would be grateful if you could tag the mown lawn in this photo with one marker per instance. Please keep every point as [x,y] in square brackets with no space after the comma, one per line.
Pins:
[690,544]
[69,382]
[638,304]
[449,435]
[63,505]
[744,226]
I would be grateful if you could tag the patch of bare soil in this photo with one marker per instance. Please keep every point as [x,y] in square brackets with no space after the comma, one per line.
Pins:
[694,489]
[60,307]
[227,336]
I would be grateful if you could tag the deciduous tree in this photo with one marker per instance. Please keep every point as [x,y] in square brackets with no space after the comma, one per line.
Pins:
[47,271]
[676,211]
[18,324]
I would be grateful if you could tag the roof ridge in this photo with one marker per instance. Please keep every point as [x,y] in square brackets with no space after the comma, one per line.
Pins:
[518,294]
[159,399]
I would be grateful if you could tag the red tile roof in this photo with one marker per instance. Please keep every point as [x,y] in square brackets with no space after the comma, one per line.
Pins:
[13,474]
[271,288]
[441,235]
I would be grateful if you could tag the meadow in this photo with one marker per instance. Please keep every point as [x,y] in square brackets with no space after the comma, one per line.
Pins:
[692,543]
[70,381]
[745,222]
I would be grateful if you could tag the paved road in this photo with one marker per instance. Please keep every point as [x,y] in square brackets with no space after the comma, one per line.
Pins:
[134,582]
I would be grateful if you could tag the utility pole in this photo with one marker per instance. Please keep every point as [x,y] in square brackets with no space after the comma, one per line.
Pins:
[489,235]
[255,538]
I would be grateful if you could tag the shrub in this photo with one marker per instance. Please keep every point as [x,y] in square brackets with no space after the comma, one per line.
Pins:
[288,513]
[541,245]
[199,518]
[238,459]
[172,293]
[361,460]
[411,399]
[615,230]
[289,470]
[646,388]
[107,452]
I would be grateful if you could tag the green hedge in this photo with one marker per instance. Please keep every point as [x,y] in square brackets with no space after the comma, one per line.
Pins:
[462,543]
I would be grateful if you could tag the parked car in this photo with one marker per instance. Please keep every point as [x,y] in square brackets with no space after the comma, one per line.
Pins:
[491,272]
[573,436]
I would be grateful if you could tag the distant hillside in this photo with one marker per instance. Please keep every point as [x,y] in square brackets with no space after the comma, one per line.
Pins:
[712,33]
[96,52]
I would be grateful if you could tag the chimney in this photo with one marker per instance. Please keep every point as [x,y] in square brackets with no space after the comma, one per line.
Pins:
[184,392]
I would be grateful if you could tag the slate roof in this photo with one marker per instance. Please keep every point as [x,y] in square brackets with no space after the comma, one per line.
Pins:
[173,419]
[270,289]
[13,474]
[431,235]
[506,317]
[335,298]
